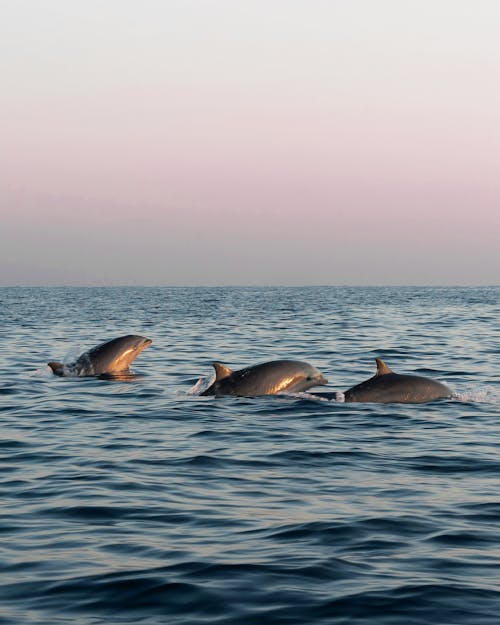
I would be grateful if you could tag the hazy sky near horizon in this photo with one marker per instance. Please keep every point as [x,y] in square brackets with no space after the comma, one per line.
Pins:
[185,142]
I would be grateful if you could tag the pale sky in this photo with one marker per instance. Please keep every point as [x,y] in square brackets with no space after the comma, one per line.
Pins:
[216,142]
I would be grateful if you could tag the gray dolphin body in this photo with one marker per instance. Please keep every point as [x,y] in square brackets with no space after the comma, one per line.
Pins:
[110,358]
[268,378]
[386,386]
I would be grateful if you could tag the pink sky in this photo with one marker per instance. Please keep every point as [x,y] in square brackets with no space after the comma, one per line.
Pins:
[250,143]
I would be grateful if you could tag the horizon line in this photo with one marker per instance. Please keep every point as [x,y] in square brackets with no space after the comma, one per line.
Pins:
[247,286]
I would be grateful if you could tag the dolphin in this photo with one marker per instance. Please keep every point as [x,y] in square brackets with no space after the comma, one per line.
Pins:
[386,386]
[268,378]
[108,359]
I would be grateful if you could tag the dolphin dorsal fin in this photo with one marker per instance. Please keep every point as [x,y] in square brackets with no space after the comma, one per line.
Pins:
[382,368]
[221,371]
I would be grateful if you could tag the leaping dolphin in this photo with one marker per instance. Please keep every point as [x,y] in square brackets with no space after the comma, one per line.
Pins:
[386,386]
[110,358]
[268,378]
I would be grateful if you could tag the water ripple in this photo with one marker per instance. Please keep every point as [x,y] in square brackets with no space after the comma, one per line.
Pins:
[140,502]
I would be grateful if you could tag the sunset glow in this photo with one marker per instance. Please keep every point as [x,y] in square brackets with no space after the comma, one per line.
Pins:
[250,143]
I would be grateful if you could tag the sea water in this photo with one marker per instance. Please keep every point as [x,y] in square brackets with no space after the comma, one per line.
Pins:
[139,501]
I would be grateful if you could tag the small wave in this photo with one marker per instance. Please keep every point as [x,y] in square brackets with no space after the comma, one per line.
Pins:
[93,514]
[297,457]
[483,512]
[414,603]
[453,463]
[7,390]
[465,539]
[317,531]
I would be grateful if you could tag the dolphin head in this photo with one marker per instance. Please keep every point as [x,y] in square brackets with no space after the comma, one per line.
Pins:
[118,354]
[305,376]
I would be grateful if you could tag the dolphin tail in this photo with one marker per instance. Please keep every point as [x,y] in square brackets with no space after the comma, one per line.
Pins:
[57,367]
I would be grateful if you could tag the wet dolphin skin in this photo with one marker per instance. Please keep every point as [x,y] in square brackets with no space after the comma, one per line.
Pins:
[268,378]
[111,357]
[386,386]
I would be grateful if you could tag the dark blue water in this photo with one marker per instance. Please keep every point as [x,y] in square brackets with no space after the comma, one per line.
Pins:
[140,502]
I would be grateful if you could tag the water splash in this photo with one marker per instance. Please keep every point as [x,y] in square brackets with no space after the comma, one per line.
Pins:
[335,396]
[201,385]
[42,372]
[482,395]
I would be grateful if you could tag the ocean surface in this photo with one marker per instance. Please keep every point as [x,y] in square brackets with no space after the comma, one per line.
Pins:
[139,501]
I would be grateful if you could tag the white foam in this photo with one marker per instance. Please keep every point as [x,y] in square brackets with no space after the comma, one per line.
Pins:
[201,385]
[43,372]
[340,397]
[483,395]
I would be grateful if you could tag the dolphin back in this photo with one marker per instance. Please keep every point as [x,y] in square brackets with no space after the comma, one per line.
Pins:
[406,389]
[386,386]
[269,378]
